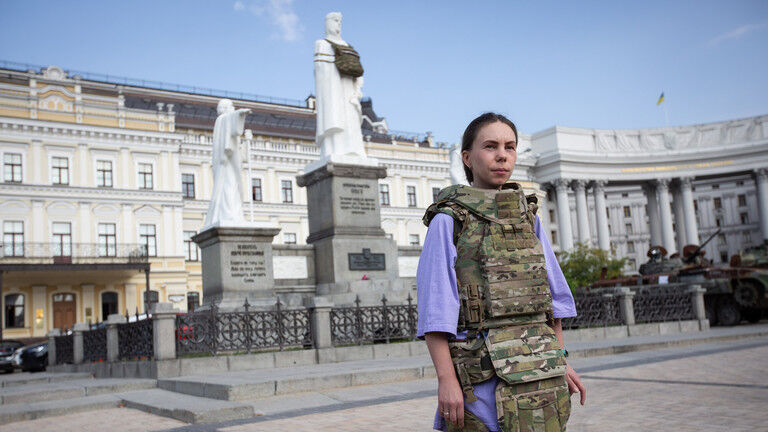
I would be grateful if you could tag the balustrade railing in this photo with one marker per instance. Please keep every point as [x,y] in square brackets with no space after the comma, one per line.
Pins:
[64,349]
[594,310]
[663,303]
[374,324]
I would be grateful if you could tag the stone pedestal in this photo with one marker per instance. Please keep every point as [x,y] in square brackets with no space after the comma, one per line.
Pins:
[353,256]
[113,344]
[237,265]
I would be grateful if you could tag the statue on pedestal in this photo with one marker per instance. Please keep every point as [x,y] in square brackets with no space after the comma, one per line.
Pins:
[226,208]
[338,84]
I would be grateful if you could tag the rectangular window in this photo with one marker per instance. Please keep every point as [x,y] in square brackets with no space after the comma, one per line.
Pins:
[715,186]
[744,218]
[719,221]
[148,239]
[718,203]
[154,298]
[14,311]
[631,263]
[413,239]
[190,247]
[107,240]
[411,192]
[747,238]
[62,239]
[188,186]
[193,301]
[60,170]
[256,190]
[435,193]
[12,167]
[384,194]
[695,205]
[740,183]
[13,238]
[631,247]
[628,228]
[103,173]
[723,256]
[607,213]
[145,176]
[742,200]
[552,216]
[721,239]
[287,188]
[610,232]
[625,195]
[554,237]
[627,212]
[289,238]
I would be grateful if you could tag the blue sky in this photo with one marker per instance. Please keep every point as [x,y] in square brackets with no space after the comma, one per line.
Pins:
[431,65]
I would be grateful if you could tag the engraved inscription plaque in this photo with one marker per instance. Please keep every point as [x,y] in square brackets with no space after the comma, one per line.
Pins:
[247,263]
[367,261]
[357,198]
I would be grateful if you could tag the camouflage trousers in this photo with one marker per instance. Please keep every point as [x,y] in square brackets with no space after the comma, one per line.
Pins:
[537,406]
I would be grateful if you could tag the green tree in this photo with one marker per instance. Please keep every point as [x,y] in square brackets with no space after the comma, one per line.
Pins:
[582,265]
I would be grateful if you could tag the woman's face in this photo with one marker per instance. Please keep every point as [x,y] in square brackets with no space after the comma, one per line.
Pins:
[492,156]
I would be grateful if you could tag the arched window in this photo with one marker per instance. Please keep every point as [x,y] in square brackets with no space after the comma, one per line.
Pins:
[14,311]
[108,305]
[193,301]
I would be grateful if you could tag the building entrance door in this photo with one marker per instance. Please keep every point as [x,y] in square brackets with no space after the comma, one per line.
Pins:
[63,311]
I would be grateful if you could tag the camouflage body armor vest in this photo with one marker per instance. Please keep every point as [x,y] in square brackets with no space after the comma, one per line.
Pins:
[504,296]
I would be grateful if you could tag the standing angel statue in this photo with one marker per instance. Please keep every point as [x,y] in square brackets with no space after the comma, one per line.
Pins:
[338,84]
[226,208]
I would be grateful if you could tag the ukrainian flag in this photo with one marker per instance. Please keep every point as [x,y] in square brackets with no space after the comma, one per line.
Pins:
[661,99]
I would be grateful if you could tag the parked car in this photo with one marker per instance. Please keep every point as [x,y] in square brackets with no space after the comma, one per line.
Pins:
[7,348]
[34,357]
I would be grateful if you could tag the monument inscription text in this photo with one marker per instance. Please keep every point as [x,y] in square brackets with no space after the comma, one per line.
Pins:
[247,262]
[356,198]
[367,261]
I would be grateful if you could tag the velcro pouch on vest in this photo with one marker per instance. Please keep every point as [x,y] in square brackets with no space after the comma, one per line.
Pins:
[517,286]
[472,363]
[525,353]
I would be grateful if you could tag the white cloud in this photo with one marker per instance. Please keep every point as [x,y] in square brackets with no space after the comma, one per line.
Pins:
[280,14]
[737,32]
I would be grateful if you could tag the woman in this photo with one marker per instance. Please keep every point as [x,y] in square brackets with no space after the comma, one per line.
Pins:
[491,296]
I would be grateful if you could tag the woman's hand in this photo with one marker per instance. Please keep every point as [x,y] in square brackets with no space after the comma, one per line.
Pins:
[574,383]
[450,400]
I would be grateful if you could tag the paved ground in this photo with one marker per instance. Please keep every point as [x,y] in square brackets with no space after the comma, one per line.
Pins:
[708,387]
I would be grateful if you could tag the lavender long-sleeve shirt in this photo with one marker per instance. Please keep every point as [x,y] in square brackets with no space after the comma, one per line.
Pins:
[438,302]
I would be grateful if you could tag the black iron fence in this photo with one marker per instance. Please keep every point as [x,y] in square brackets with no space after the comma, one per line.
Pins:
[373,324]
[64,349]
[94,343]
[213,331]
[662,303]
[135,338]
[593,310]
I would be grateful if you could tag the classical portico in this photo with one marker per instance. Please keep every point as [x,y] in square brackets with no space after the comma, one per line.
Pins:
[663,167]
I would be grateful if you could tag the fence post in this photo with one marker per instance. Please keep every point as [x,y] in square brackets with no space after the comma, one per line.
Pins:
[163,330]
[697,302]
[113,344]
[625,305]
[78,350]
[52,346]
[320,316]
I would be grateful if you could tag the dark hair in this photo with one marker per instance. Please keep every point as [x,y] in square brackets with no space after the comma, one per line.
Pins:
[470,133]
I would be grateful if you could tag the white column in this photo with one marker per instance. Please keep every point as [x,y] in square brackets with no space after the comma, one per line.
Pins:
[677,207]
[84,223]
[124,168]
[667,236]
[166,233]
[582,216]
[126,223]
[38,224]
[564,215]
[205,181]
[163,172]
[82,171]
[689,213]
[178,231]
[397,194]
[603,236]
[37,164]
[654,224]
[761,181]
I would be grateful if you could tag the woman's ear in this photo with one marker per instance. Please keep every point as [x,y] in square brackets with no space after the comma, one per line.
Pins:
[465,158]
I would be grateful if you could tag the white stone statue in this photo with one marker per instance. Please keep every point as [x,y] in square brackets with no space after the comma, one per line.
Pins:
[339,114]
[226,208]
[458,176]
